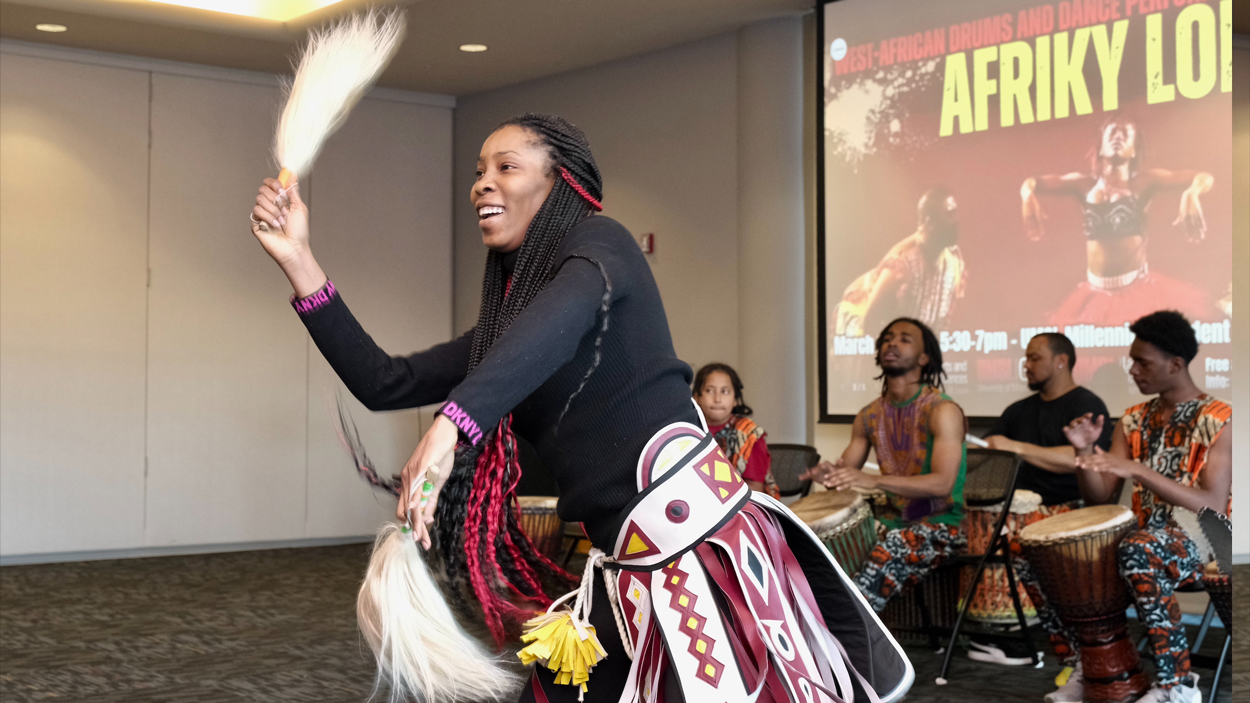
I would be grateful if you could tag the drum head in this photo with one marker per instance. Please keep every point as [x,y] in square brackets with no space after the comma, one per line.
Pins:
[827,508]
[1022,503]
[540,502]
[1076,523]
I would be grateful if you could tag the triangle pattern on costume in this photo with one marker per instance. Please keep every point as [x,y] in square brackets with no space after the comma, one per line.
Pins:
[637,543]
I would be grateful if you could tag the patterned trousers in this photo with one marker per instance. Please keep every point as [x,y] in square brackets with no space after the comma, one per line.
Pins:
[1154,562]
[904,556]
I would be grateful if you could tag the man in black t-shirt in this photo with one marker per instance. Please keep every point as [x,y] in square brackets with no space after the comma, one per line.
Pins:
[1033,427]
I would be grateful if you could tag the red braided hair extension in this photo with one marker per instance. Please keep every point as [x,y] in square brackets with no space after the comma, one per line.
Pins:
[472,537]
[524,570]
[568,178]
[482,529]
[516,508]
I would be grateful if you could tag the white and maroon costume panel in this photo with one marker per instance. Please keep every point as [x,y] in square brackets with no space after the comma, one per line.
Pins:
[709,587]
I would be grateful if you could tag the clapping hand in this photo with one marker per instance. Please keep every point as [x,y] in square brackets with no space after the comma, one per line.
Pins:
[1106,463]
[837,475]
[1084,431]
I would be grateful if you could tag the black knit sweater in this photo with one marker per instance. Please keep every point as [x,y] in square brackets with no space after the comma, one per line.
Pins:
[532,370]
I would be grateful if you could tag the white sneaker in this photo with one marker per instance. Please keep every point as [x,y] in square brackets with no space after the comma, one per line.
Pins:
[1012,654]
[1072,691]
[1180,693]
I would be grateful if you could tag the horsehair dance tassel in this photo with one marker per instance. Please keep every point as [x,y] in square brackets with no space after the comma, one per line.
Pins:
[419,646]
[562,639]
[338,65]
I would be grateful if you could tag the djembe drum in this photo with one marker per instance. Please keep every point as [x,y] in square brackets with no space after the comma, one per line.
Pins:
[540,522]
[992,600]
[1075,558]
[843,522]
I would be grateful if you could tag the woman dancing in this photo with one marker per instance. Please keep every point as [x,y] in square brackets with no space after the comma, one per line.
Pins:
[572,351]
[1114,196]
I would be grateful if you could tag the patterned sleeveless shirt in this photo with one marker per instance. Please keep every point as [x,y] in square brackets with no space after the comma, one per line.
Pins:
[1175,447]
[901,435]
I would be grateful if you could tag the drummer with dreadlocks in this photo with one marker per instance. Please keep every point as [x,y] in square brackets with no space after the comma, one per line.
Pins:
[700,590]
[918,433]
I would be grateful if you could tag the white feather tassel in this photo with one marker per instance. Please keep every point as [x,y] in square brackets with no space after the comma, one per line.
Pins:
[420,648]
[337,67]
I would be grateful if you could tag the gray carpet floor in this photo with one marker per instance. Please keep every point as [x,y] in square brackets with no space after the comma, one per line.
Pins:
[280,626]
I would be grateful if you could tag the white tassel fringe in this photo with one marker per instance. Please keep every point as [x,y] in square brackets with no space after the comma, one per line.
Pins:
[420,648]
[337,67]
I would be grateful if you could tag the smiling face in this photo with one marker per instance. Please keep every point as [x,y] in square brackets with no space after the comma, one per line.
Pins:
[716,398]
[902,349]
[514,177]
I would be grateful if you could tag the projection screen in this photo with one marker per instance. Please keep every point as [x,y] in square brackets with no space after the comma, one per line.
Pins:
[998,168]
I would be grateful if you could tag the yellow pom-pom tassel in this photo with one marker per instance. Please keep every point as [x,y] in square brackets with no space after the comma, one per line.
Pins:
[564,645]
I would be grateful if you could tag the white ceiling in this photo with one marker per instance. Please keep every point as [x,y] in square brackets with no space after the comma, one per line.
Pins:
[527,38]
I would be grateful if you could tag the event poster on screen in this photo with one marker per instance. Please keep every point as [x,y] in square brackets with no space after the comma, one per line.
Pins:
[998,169]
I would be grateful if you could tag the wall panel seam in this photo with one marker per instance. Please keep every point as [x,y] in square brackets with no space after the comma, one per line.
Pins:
[147,313]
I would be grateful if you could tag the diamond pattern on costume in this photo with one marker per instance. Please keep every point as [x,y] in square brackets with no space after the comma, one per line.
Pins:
[719,476]
[755,570]
[638,595]
[683,601]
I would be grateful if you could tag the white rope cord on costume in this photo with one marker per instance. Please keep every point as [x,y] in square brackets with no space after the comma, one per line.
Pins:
[614,597]
[585,594]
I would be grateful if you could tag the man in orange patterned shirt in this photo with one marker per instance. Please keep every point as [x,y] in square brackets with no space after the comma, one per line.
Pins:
[1176,448]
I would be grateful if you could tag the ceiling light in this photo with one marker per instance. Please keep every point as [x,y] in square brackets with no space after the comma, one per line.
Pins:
[473,48]
[277,10]
[51,27]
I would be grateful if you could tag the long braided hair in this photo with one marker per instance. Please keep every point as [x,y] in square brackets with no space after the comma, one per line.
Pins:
[478,530]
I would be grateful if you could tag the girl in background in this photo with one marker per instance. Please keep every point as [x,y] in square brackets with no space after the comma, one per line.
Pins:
[718,391]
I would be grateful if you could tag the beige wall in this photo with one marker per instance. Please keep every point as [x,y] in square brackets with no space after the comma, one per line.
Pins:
[188,409]
[73,242]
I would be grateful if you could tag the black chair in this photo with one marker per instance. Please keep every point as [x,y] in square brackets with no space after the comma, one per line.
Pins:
[789,461]
[575,535]
[991,480]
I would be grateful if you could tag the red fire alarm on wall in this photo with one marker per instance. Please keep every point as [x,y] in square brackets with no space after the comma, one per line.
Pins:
[647,243]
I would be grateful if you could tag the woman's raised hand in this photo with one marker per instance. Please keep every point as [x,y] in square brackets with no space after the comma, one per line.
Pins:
[280,221]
